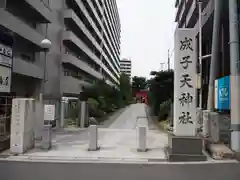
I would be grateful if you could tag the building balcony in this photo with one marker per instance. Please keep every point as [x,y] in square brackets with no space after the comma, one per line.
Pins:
[184,11]
[74,43]
[70,59]
[110,83]
[110,38]
[71,85]
[114,48]
[26,68]
[74,23]
[99,6]
[20,28]
[110,74]
[111,28]
[79,6]
[193,13]
[207,13]
[179,5]
[37,9]
[77,25]
[176,3]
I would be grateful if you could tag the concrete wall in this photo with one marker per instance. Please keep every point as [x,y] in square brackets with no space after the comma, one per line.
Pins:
[71,85]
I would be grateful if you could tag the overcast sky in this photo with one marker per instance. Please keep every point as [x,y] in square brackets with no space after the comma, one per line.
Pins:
[147,33]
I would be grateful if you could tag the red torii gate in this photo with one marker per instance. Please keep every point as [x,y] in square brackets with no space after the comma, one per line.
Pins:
[143,96]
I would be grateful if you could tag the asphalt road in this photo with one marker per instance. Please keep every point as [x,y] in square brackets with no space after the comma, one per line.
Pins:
[105,171]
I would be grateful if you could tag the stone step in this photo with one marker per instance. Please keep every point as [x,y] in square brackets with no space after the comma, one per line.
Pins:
[183,157]
[221,151]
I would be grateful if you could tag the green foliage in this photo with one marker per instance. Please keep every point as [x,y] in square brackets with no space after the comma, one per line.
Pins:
[74,112]
[125,88]
[138,84]
[102,103]
[164,110]
[161,89]
[106,99]
[92,106]
[98,113]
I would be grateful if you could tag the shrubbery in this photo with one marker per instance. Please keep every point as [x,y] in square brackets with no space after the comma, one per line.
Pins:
[104,99]
[92,106]
[73,114]
[161,92]
[164,110]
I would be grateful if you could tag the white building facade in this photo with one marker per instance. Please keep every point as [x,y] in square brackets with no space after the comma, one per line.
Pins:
[126,66]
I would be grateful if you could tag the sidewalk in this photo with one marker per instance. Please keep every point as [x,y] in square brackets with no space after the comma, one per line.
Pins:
[114,144]
[118,141]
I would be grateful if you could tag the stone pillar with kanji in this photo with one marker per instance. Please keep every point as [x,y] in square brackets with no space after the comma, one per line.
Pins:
[184,144]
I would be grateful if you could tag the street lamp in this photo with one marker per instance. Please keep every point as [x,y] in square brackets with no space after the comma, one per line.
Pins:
[46,45]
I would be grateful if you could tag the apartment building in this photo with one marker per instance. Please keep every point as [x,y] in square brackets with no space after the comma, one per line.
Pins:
[126,66]
[85,47]
[91,40]
[85,38]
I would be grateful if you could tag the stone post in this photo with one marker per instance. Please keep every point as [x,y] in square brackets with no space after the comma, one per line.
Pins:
[93,138]
[47,137]
[142,139]
[62,114]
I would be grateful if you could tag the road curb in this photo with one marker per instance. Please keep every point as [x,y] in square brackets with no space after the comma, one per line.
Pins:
[146,161]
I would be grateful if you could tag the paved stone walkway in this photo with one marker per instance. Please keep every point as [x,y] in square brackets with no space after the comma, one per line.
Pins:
[132,116]
[118,141]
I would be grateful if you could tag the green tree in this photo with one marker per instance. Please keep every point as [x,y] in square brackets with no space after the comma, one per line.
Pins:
[109,98]
[161,88]
[138,84]
[125,88]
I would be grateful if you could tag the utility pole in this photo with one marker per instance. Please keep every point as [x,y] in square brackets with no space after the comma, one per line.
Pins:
[215,53]
[168,59]
[162,66]
[200,51]
[235,75]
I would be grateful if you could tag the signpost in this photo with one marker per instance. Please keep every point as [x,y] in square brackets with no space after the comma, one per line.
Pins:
[222,93]
[49,112]
[184,145]
[5,68]
[5,79]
